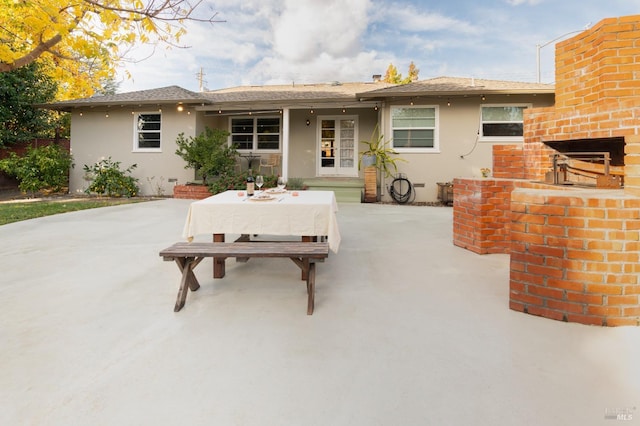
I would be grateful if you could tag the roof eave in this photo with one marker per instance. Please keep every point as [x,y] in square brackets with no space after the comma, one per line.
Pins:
[441,93]
[71,106]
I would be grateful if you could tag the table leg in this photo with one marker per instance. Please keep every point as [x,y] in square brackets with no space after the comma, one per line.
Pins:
[187,282]
[218,262]
[305,268]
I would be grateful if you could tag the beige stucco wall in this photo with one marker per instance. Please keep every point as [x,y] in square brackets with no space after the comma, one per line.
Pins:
[459,154]
[95,136]
[303,144]
[303,148]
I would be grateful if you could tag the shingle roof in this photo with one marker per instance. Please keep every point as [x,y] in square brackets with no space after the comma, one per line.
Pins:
[292,92]
[161,95]
[326,92]
[458,86]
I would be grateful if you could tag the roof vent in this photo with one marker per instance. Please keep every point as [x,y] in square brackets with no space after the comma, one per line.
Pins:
[377,78]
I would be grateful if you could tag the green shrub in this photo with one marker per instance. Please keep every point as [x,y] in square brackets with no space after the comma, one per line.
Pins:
[295,183]
[208,153]
[107,179]
[44,168]
[238,181]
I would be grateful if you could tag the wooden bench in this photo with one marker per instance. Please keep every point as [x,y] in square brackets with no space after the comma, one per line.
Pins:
[188,255]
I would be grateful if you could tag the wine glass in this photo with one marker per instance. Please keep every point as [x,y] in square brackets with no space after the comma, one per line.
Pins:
[259,181]
[281,183]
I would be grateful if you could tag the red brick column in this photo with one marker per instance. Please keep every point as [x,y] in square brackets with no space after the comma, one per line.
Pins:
[575,256]
[481,214]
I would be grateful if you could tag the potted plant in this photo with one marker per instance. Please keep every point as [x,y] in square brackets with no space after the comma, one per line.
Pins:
[378,158]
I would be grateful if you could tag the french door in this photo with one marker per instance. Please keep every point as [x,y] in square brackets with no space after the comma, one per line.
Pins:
[338,146]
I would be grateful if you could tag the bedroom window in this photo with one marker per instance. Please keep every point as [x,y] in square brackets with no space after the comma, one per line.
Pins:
[415,128]
[147,131]
[255,133]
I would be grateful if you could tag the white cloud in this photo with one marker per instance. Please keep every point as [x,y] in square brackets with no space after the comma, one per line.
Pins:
[411,18]
[306,29]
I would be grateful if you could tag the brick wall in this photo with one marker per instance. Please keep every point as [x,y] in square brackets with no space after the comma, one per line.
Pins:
[575,253]
[191,192]
[597,96]
[575,256]
[508,162]
[481,215]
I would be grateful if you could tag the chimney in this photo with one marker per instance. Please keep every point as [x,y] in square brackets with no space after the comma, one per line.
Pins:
[377,78]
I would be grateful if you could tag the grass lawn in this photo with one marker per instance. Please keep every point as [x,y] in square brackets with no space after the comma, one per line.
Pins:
[17,211]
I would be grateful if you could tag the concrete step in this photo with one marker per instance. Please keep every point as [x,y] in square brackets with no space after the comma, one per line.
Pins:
[347,190]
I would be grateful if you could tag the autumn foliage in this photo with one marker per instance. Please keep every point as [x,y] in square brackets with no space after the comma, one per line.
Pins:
[80,42]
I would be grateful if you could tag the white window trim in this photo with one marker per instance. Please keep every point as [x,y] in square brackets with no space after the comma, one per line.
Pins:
[482,138]
[136,148]
[255,134]
[436,133]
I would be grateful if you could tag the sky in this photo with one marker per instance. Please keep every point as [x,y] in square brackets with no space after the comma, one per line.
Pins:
[317,41]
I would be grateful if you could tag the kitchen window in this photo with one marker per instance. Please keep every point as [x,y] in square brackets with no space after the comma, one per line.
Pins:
[502,122]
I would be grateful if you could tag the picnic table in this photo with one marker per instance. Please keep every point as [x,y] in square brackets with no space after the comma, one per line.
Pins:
[310,216]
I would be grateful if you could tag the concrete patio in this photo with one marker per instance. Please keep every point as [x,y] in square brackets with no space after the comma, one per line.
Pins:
[407,330]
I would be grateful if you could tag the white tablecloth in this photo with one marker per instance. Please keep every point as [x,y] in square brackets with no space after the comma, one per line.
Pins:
[311,213]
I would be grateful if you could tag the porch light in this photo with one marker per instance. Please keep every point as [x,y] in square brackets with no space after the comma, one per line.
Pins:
[448,102]
[180,108]
[344,109]
[483,98]
[375,108]
[308,122]
[311,110]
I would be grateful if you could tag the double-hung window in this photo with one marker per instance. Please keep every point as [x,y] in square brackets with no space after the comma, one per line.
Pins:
[502,122]
[415,128]
[255,133]
[147,131]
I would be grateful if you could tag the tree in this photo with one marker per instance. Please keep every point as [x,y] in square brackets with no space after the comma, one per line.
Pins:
[42,168]
[19,91]
[81,42]
[208,153]
[392,75]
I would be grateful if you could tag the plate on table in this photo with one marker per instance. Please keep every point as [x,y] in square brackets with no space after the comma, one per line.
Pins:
[275,191]
[262,197]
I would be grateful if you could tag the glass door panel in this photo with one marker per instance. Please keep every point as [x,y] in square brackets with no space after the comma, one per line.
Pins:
[338,146]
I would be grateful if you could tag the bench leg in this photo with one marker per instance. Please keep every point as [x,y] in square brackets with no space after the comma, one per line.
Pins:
[311,288]
[218,262]
[188,281]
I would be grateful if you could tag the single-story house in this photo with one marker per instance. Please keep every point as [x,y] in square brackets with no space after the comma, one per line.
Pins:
[442,128]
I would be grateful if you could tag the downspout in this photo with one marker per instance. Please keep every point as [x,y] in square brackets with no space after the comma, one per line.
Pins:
[285,142]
